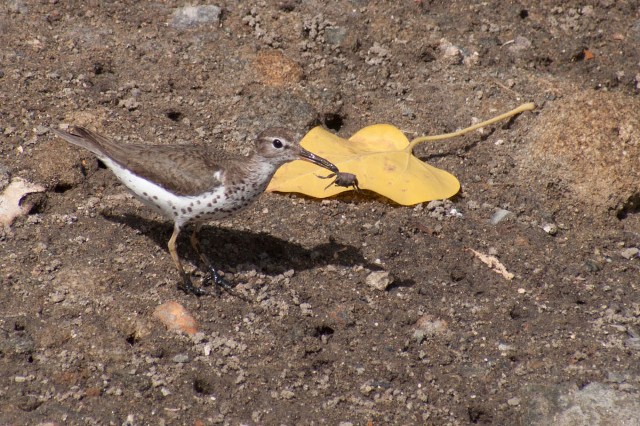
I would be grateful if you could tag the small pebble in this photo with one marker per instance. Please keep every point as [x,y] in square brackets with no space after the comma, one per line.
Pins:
[419,336]
[181,358]
[129,103]
[287,394]
[175,317]
[503,347]
[454,212]
[57,297]
[379,280]
[550,228]
[451,54]
[520,44]
[630,253]
[429,325]
[206,350]
[498,216]
[305,309]
[435,203]
[190,16]
[40,130]
[366,389]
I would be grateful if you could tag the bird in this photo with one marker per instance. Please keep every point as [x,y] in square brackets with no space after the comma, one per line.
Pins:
[191,184]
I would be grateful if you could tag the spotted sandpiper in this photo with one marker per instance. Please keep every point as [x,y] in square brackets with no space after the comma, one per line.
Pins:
[193,184]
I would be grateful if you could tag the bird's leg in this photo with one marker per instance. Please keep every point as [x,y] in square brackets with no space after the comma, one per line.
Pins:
[186,285]
[215,277]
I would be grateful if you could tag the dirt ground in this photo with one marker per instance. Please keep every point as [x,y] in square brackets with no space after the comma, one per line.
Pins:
[553,195]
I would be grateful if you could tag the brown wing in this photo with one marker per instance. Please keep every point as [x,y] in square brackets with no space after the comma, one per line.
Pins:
[181,169]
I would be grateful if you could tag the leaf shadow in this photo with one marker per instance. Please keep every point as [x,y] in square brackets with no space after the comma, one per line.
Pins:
[230,248]
[456,148]
[468,146]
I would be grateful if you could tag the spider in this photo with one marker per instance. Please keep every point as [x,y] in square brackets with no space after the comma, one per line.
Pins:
[346,180]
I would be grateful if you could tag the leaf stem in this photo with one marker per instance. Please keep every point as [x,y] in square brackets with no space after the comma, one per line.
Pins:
[524,107]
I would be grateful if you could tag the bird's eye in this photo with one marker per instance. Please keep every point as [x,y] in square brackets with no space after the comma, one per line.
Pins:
[277,143]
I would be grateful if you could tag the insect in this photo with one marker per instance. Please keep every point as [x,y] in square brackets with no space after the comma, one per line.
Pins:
[343,179]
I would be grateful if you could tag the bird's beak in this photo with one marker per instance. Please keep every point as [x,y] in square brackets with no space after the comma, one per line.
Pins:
[317,160]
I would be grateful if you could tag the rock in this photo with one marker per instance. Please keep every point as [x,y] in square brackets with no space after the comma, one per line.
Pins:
[630,253]
[366,388]
[588,141]
[129,103]
[419,336]
[10,200]
[340,316]
[550,228]
[428,325]
[40,130]
[432,205]
[190,16]
[564,405]
[57,297]
[287,394]
[452,55]
[498,216]
[181,358]
[520,44]
[306,309]
[505,348]
[514,402]
[175,317]
[379,280]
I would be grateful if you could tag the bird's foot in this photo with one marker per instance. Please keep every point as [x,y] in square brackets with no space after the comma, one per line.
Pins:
[187,286]
[213,278]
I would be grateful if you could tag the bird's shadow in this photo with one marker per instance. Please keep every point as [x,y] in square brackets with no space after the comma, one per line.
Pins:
[230,248]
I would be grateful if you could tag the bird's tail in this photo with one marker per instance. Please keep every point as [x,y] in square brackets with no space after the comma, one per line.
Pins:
[84,138]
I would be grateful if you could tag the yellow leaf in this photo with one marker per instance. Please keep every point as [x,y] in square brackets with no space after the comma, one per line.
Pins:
[376,156]
[382,159]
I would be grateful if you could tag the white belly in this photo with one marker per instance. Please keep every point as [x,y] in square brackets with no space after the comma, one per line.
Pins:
[213,205]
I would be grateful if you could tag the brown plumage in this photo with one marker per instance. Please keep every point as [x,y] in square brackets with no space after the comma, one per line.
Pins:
[188,183]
